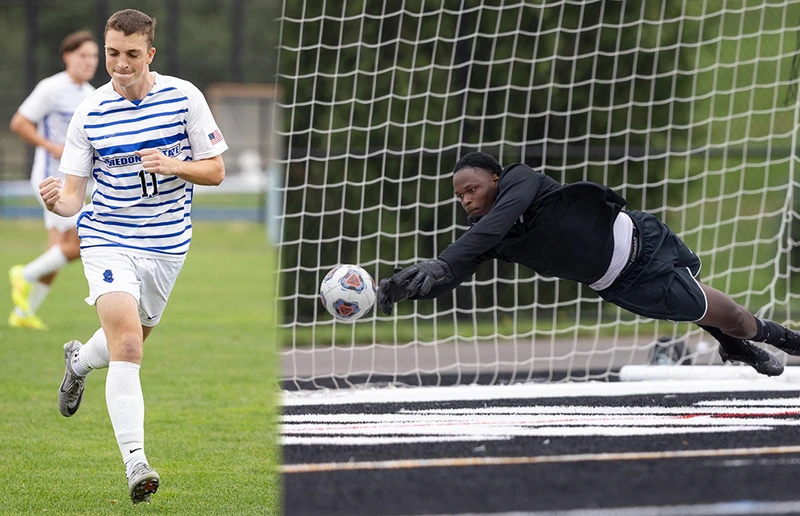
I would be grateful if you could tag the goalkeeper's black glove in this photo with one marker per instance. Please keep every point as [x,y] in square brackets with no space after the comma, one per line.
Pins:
[390,293]
[419,279]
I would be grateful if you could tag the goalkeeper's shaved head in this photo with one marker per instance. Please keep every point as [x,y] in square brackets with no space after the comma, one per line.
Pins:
[479,160]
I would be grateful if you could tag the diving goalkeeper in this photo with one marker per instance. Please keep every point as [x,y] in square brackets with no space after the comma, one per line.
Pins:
[579,231]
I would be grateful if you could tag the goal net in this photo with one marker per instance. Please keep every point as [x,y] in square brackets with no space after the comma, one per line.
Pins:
[687,109]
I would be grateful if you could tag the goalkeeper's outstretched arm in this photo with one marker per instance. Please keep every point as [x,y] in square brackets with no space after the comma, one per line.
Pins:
[445,283]
[494,199]
[428,279]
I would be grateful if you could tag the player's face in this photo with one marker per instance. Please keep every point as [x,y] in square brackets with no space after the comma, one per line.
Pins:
[128,58]
[476,190]
[81,63]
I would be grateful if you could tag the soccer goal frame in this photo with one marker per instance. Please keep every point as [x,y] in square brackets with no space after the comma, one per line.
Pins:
[688,109]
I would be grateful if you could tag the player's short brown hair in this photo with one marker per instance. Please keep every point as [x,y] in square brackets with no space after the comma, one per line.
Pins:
[74,40]
[131,21]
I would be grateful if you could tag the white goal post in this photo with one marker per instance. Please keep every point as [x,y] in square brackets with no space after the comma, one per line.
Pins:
[687,109]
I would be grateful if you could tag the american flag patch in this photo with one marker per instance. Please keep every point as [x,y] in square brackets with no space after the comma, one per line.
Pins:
[215,137]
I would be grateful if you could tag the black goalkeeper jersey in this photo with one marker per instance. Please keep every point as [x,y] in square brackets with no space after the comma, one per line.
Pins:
[565,231]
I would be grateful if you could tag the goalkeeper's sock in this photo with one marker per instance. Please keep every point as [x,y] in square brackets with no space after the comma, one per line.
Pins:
[779,336]
[125,404]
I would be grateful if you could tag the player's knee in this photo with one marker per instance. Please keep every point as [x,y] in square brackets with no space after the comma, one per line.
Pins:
[736,320]
[742,317]
[128,347]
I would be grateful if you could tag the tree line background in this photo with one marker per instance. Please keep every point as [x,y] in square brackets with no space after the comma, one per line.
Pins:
[203,41]
[382,99]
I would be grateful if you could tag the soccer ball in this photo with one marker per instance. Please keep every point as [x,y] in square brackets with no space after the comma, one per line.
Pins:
[347,292]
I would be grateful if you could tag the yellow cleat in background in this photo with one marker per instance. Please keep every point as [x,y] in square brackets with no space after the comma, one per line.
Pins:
[30,322]
[20,288]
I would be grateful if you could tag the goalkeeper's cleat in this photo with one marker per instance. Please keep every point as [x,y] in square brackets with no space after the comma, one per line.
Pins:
[71,390]
[791,344]
[761,360]
[789,340]
[31,322]
[20,288]
[142,483]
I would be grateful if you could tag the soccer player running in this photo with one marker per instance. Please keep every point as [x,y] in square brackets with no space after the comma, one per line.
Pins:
[147,139]
[580,231]
[42,120]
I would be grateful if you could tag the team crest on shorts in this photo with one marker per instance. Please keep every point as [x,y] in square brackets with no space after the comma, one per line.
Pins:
[108,277]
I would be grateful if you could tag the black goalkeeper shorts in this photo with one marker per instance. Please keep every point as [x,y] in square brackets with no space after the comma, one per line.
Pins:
[661,283]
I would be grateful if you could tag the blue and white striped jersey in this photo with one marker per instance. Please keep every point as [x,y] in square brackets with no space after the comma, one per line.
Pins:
[131,210]
[50,106]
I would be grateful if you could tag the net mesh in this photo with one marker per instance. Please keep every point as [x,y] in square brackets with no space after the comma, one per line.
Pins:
[687,109]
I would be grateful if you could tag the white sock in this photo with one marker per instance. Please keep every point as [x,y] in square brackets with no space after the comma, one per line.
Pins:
[36,296]
[92,355]
[125,404]
[52,260]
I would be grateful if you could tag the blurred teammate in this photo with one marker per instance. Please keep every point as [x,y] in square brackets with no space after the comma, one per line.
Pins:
[147,139]
[42,121]
[580,231]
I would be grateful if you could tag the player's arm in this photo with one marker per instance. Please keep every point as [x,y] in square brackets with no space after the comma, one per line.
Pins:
[461,259]
[64,199]
[209,171]
[397,288]
[206,140]
[76,164]
[28,132]
[516,191]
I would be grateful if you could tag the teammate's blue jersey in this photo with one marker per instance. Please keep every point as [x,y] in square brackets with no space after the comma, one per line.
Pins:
[131,210]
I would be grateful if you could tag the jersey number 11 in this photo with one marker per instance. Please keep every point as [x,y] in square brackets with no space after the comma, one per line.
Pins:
[144,184]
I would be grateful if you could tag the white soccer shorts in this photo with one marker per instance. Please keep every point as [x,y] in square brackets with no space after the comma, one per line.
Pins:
[148,280]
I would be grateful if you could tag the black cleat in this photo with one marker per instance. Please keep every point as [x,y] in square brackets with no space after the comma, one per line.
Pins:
[789,340]
[761,360]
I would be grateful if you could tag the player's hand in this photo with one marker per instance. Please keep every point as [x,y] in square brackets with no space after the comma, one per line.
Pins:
[50,191]
[156,162]
[390,293]
[419,279]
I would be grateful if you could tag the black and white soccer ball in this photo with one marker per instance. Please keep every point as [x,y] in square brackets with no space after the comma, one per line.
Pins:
[347,292]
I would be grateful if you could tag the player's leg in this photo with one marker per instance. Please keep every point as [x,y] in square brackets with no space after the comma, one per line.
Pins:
[119,316]
[663,285]
[683,299]
[157,278]
[731,347]
[65,245]
[114,288]
[735,320]
[105,273]
[30,283]
[79,361]
[739,350]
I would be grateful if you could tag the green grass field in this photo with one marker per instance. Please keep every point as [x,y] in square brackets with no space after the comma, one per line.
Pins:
[208,377]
